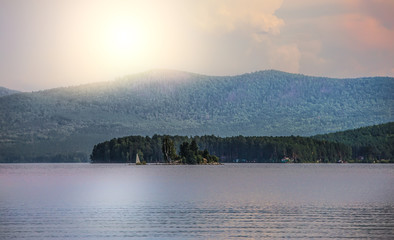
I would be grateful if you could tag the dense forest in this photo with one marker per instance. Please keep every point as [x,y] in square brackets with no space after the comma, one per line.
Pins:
[365,145]
[229,149]
[189,153]
[67,122]
[373,143]
[5,91]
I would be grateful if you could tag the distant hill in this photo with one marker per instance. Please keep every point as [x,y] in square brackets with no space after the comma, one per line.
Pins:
[67,122]
[5,91]
[368,143]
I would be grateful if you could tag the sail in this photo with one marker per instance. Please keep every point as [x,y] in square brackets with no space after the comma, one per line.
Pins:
[137,159]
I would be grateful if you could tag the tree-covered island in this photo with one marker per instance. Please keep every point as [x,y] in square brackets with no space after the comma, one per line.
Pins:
[158,149]
[188,153]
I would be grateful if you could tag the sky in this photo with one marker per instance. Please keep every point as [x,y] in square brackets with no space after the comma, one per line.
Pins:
[56,43]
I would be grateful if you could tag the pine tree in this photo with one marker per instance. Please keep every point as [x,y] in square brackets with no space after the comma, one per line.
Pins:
[168,149]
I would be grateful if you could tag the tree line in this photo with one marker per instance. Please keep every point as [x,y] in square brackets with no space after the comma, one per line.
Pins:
[188,153]
[228,149]
[369,144]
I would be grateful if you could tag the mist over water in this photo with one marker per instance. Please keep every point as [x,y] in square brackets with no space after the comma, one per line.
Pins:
[89,201]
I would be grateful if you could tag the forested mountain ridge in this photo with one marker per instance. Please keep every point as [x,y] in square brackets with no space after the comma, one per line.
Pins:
[69,121]
[5,91]
[368,143]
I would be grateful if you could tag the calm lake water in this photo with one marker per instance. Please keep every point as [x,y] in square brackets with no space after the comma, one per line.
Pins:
[252,201]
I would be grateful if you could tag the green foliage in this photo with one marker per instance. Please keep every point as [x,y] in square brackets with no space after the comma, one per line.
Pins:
[140,155]
[190,154]
[229,149]
[185,153]
[267,103]
[369,144]
[194,147]
[141,163]
[168,150]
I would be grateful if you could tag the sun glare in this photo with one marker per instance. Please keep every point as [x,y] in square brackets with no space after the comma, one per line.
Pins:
[129,40]
[125,40]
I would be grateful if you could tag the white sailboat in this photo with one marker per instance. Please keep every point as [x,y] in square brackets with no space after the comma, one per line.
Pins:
[137,159]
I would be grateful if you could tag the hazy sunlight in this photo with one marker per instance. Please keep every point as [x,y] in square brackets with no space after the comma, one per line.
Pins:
[124,40]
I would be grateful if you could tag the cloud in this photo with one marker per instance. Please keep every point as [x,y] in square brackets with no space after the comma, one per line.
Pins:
[340,38]
[285,58]
[229,15]
[310,56]
[366,33]
[381,10]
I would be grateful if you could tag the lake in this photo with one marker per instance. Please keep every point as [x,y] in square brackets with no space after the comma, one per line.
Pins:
[231,201]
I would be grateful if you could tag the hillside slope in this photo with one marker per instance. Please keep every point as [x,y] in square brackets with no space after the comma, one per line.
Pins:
[71,120]
[368,143]
[5,91]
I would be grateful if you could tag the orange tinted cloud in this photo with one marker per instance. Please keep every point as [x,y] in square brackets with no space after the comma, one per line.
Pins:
[379,9]
[365,32]
[229,15]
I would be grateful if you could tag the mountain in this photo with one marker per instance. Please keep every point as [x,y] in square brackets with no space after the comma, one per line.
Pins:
[368,143]
[65,123]
[5,91]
